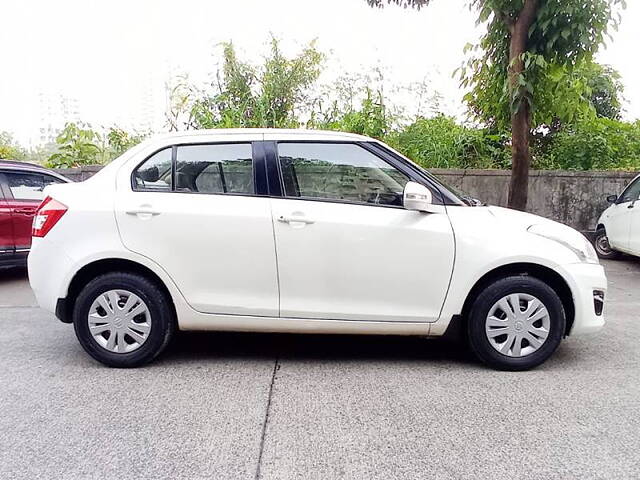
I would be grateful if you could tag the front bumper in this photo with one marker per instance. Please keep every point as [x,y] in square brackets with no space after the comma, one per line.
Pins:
[588,285]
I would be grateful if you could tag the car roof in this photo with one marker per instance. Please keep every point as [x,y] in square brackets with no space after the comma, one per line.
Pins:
[17,163]
[29,167]
[273,133]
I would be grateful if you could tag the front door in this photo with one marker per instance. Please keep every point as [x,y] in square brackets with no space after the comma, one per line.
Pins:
[346,247]
[620,218]
[192,209]
[633,191]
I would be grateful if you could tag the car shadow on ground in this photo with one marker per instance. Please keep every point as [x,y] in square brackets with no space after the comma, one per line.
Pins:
[192,346]
[12,274]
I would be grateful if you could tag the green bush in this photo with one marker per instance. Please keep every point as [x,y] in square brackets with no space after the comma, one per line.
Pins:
[9,149]
[594,144]
[79,145]
[371,119]
[440,142]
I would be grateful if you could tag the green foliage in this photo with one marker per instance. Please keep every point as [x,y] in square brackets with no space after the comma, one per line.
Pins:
[9,149]
[404,3]
[371,119]
[594,144]
[79,145]
[279,93]
[606,89]
[563,38]
[120,141]
[265,96]
[440,142]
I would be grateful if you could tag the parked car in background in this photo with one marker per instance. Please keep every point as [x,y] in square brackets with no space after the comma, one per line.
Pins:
[306,232]
[618,228]
[21,191]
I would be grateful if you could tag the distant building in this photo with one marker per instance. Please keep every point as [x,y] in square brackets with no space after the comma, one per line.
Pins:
[55,110]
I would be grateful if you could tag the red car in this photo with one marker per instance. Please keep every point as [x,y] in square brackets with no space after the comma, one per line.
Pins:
[21,186]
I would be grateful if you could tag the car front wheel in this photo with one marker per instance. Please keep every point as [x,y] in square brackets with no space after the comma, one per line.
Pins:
[602,246]
[123,319]
[516,323]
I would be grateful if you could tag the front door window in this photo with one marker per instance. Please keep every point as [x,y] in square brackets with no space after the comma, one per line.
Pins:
[339,172]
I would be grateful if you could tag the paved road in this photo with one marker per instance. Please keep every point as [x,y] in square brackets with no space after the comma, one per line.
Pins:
[243,406]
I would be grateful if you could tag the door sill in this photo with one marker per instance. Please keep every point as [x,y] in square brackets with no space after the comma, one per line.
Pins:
[241,323]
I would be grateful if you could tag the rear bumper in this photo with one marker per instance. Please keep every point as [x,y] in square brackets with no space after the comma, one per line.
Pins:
[588,284]
[48,265]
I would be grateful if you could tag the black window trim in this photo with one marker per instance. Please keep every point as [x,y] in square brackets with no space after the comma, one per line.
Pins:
[4,187]
[257,165]
[414,174]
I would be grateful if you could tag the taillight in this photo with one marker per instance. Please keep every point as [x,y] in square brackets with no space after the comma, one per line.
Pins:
[48,214]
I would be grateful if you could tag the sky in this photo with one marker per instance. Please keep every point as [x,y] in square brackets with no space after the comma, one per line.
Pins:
[114,57]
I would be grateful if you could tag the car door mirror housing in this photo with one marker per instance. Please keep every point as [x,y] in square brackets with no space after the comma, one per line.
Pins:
[150,174]
[417,197]
[612,198]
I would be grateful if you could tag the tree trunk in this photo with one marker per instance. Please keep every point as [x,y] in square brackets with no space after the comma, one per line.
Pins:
[521,119]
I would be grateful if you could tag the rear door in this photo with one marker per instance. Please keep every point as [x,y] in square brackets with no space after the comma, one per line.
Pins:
[195,211]
[24,195]
[7,245]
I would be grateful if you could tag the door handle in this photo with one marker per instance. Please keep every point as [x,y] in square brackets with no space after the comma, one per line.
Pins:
[25,211]
[143,211]
[295,219]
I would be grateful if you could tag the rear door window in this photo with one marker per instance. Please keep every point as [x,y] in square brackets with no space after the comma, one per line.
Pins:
[155,173]
[206,168]
[29,186]
[223,168]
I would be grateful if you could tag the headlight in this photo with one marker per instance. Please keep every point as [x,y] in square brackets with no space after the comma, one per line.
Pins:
[570,238]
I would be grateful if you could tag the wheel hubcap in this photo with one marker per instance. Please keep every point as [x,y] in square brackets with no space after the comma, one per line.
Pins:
[119,321]
[517,325]
[602,244]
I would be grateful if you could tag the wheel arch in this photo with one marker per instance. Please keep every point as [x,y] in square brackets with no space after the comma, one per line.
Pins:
[541,272]
[64,307]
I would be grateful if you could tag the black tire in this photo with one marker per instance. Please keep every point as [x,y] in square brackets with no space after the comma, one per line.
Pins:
[163,323]
[493,293]
[601,244]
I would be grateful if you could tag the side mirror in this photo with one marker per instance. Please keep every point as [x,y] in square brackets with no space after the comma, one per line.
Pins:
[417,197]
[150,174]
[612,198]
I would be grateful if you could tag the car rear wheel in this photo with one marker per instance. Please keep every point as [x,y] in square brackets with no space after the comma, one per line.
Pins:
[123,319]
[516,323]
[602,246]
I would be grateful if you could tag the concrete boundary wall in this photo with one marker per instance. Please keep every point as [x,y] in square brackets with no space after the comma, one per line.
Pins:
[575,198]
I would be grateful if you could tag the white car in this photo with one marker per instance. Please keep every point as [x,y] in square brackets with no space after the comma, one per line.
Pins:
[619,225]
[306,232]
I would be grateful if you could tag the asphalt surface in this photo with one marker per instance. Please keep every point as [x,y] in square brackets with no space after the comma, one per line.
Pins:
[246,406]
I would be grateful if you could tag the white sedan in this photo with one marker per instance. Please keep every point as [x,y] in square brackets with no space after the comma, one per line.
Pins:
[619,225]
[306,232]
